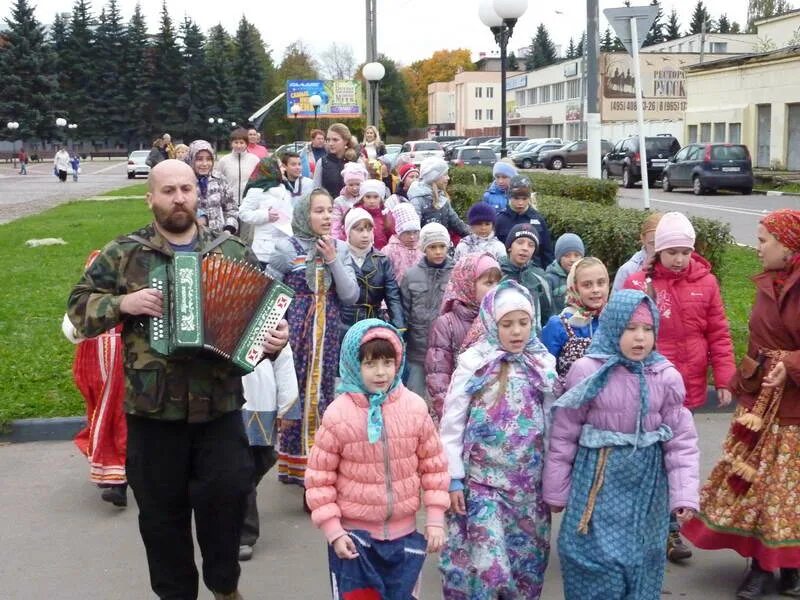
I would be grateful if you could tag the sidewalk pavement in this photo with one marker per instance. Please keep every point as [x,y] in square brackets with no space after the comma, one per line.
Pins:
[59,540]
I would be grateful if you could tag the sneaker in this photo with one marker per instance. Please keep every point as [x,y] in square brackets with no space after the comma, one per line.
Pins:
[245,552]
[754,585]
[789,584]
[677,549]
[116,495]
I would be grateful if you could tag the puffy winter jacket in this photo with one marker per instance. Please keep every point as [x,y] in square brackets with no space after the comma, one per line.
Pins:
[421,292]
[474,244]
[506,219]
[557,279]
[376,284]
[341,205]
[254,211]
[533,278]
[444,345]
[383,226]
[236,168]
[219,205]
[401,257]
[496,196]
[616,408]
[694,330]
[421,197]
[347,478]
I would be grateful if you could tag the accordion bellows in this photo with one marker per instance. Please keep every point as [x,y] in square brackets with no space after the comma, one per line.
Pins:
[216,303]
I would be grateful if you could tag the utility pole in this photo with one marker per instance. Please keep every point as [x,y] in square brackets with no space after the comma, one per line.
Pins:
[592,77]
[702,40]
[372,54]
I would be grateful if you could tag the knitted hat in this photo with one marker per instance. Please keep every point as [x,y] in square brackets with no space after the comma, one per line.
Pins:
[642,314]
[569,242]
[481,212]
[784,225]
[523,230]
[674,231]
[433,233]
[519,186]
[354,171]
[432,168]
[405,218]
[508,300]
[372,186]
[405,170]
[485,262]
[353,216]
[503,168]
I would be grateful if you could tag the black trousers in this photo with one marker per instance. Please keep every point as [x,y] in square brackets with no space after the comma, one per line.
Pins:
[264,458]
[174,469]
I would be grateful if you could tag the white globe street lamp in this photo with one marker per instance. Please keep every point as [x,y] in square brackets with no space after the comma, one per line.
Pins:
[211,120]
[315,101]
[373,72]
[61,122]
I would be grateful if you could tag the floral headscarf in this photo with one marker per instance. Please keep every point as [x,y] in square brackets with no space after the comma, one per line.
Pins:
[350,368]
[267,174]
[301,227]
[579,314]
[195,148]
[461,286]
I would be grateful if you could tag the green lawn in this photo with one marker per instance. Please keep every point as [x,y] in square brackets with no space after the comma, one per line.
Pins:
[36,360]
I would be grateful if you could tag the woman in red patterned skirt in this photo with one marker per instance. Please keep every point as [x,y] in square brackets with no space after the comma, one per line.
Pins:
[751,502]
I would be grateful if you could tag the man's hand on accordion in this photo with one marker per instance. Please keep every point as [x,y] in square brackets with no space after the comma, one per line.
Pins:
[276,339]
[147,301]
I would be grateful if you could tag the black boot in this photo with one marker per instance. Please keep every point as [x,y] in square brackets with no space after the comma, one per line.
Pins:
[789,584]
[755,584]
[116,495]
[677,549]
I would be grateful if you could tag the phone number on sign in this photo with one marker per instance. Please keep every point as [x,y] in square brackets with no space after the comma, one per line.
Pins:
[649,105]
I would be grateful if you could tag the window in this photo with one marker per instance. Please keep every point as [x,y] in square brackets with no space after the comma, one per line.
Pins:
[532,96]
[719,132]
[718,47]
[682,154]
[479,92]
[544,94]
[705,132]
[691,46]
[735,133]
[692,134]
[489,114]
[557,130]
[573,88]
[478,114]
[573,130]
[558,91]
[521,98]
[696,153]
[490,92]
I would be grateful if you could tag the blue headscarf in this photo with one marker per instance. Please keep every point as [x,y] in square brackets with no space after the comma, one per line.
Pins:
[350,369]
[605,346]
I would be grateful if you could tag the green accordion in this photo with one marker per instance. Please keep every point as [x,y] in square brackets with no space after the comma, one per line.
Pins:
[217,304]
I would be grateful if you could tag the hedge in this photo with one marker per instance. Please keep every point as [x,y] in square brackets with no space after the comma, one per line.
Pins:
[600,191]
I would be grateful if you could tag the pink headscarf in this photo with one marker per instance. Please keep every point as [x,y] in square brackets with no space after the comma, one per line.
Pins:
[461,286]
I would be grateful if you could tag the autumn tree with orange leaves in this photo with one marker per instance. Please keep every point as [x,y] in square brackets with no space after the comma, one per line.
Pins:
[442,66]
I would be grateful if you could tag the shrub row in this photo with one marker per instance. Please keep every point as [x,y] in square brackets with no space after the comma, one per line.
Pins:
[599,191]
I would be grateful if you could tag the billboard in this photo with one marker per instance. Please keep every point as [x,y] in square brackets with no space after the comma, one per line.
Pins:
[341,99]
[663,87]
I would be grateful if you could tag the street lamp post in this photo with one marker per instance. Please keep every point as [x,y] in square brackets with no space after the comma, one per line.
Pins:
[296,109]
[12,127]
[315,101]
[500,16]
[373,72]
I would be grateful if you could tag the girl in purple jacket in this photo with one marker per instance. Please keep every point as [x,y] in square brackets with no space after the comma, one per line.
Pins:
[623,455]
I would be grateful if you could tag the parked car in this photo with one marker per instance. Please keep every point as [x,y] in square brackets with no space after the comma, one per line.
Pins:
[495,146]
[708,168]
[393,148]
[624,159]
[137,164]
[528,157]
[473,155]
[417,151]
[573,153]
[509,139]
[290,147]
[478,140]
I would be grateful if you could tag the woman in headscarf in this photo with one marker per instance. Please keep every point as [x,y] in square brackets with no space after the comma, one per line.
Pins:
[315,266]
[216,208]
[750,503]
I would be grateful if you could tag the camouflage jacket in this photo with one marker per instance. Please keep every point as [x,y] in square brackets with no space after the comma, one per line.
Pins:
[195,388]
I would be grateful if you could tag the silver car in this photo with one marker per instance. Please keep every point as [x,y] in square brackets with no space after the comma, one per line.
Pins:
[137,164]
[417,151]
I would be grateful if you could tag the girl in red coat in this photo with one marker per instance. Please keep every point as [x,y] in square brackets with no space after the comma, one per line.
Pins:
[694,331]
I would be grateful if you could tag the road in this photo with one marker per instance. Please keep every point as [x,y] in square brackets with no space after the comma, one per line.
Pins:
[59,540]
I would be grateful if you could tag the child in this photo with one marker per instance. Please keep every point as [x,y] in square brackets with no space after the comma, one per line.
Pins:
[638,262]
[520,211]
[430,200]
[403,247]
[569,250]
[623,454]
[236,167]
[522,243]
[75,163]
[374,274]
[421,292]
[407,174]
[481,218]
[353,175]
[493,432]
[473,276]
[293,180]
[370,198]
[267,208]
[497,193]
[569,333]
[216,207]
[270,393]
[375,454]
[181,152]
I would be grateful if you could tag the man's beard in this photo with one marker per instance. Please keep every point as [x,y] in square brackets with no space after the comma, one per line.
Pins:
[177,220]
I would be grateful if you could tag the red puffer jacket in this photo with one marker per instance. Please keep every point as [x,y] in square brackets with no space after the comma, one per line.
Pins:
[693,332]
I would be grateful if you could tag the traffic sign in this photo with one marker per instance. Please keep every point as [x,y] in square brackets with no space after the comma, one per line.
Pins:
[620,21]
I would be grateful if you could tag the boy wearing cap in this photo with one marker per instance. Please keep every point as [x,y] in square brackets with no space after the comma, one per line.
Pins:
[421,293]
[569,250]
[497,193]
[429,197]
[520,211]
[481,218]
[522,244]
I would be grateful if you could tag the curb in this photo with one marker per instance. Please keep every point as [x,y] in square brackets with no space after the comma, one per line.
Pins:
[57,429]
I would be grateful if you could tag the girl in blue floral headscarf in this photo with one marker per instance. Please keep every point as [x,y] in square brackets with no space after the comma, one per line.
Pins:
[493,430]
[622,455]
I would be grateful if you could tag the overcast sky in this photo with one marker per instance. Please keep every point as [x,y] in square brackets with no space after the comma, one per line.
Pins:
[408,30]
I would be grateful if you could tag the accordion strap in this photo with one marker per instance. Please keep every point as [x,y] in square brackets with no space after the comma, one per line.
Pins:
[219,240]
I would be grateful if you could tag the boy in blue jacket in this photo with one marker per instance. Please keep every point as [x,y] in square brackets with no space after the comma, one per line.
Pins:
[497,193]
[520,211]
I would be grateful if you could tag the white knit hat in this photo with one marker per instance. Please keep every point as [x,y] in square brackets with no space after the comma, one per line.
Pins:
[433,233]
[372,186]
[353,216]
[432,168]
[508,300]
[405,218]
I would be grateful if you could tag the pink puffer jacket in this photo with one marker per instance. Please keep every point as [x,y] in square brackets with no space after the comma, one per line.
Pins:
[352,484]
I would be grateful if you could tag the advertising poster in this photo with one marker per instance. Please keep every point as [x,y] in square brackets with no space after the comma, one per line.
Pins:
[663,87]
[341,99]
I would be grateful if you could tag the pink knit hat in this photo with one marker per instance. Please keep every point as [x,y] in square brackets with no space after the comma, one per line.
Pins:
[405,218]
[674,230]
[354,171]
[485,262]
[642,314]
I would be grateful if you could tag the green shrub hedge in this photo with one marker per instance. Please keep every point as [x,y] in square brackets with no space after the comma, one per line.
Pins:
[600,191]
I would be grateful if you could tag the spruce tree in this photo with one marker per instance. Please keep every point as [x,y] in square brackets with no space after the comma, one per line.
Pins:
[193,101]
[655,35]
[673,31]
[512,63]
[570,49]
[166,78]
[542,50]
[135,82]
[723,25]
[699,16]
[78,73]
[607,42]
[110,117]
[250,71]
[219,56]
[579,49]
[393,99]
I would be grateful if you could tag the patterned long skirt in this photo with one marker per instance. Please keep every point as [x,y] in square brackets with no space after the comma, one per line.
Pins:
[623,553]
[764,522]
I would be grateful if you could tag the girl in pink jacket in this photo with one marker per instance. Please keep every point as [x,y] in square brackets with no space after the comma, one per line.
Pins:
[375,453]
[623,455]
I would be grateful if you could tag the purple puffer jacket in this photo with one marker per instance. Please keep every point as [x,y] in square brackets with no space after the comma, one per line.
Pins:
[444,345]
[615,408]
